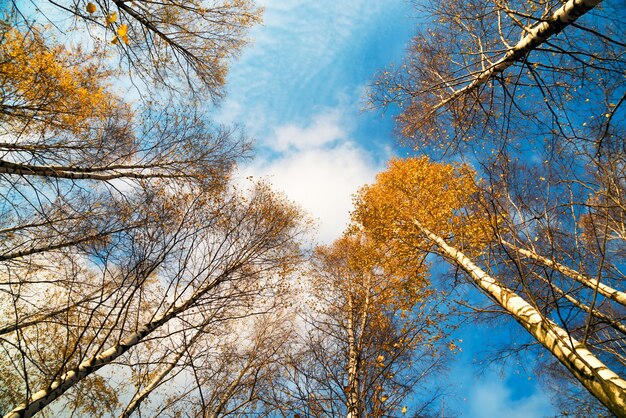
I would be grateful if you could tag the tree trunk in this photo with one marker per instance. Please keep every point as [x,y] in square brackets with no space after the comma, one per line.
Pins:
[535,36]
[600,381]
[593,284]
[613,323]
[352,389]
[156,380]
[42,398]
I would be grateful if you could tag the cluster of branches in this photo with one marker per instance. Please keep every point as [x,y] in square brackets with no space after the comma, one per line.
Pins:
[531,93]
[370,337]
[178,44]
[128,260]
[135,278]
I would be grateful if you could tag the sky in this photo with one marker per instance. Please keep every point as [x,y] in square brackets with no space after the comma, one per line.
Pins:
[299,91]
[299,88]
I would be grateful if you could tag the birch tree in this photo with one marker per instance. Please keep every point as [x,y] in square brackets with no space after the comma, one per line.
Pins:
[83,210]
[484,75]
[371,339]
[532,93]
[232,368]
[120,230]
[221,253]
[418,205]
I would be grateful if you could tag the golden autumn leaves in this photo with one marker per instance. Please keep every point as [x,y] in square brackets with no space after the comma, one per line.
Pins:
[383,253]
[378,275]
[110,19]
[442,197]
[64,88]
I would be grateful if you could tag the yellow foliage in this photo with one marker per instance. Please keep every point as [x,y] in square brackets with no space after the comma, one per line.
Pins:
[440,196]
[122,33]
[122,30]
[91,8]
[363,271]
[53,85]
[111,18]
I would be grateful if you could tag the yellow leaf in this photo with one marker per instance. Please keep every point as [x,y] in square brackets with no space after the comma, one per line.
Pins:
[44,77]
[122,30]
[91,8]
[404,409]
[111,18]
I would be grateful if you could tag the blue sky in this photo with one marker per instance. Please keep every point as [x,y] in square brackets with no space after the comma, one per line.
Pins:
[299,89]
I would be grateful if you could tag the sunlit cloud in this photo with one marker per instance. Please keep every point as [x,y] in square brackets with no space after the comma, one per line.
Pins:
[319,167]
[324,129]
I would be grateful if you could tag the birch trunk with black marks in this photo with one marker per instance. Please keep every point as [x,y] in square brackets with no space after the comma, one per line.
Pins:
[596,377]
[56,389]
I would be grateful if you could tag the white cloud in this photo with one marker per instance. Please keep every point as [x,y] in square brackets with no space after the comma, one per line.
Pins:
[493,399]
[324,130]
[319,167]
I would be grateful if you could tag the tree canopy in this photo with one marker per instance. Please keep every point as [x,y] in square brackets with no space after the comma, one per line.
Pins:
[530,94]
[124,245]
[137,276]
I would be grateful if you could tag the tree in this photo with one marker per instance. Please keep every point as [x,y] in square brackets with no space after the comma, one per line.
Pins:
[404,217]
[222,252]
[473,77]
[183,45]
[370,337]
[231,378]
[120,230]
[82,198]
[47,88]
[531,93]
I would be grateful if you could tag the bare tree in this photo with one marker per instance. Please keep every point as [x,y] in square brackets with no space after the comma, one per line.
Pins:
[232,369]
[488,74]
[121,236]
[218,255]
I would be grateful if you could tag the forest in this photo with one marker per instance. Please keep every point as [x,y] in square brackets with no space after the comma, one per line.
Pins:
[142,275]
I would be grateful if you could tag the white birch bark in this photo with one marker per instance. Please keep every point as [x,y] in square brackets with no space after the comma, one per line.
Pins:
[535,36]
[615,324]
[600,381]
[43,397]
[353,379]
[229,392]
[355,344]
[606,291]
[156,381]
[84,173]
